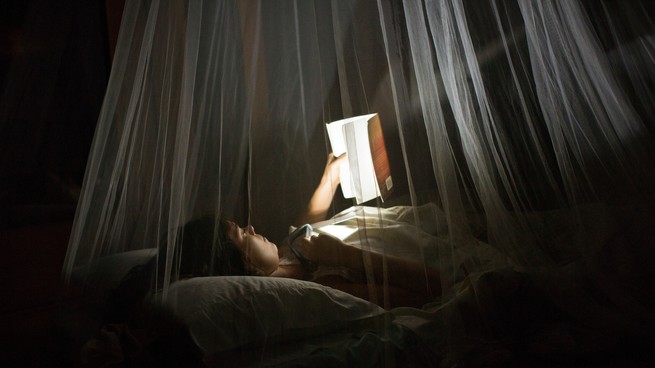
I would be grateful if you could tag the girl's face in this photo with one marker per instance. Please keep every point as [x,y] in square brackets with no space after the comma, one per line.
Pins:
[259,254]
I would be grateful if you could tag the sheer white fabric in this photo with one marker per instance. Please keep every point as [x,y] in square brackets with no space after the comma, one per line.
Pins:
[527,124]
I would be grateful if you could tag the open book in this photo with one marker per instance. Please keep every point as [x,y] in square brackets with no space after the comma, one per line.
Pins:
[367,174]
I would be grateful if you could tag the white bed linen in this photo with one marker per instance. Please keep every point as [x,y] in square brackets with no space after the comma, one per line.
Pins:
[223,313]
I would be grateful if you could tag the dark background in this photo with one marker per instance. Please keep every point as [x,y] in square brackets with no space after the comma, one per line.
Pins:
[55,58]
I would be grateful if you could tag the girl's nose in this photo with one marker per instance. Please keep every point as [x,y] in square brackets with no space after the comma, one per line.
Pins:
[250,230]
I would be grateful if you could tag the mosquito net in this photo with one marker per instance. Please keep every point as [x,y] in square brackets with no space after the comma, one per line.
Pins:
[519,141]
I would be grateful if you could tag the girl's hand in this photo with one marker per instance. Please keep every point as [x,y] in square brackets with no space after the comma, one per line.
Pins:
[323,194]
[331,173]
[322,249]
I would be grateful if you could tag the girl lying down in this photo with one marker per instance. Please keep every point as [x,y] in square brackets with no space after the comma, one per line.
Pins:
[329,261]
[324,259]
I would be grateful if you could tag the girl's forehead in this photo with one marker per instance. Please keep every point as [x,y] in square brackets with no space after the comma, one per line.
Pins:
[231,225]
[232,229]
[233,233]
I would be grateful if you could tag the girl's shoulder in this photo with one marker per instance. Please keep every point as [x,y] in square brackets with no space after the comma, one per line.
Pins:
[292,271]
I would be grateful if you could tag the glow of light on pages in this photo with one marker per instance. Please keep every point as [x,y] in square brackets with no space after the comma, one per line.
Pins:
[339,231]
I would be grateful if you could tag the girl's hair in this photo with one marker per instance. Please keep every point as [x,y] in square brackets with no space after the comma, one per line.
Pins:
[228,260]
[203,249]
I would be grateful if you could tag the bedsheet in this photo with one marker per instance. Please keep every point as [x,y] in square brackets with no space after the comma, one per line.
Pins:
[589,310]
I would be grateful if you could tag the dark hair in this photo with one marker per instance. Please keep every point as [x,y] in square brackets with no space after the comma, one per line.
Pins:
[203,249]
[228,260]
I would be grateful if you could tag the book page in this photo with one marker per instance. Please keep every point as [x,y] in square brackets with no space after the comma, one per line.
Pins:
[335,133]
[358,176]
[346,180]
[364,182]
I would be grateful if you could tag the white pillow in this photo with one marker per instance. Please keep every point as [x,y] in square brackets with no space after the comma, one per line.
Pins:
[226,312]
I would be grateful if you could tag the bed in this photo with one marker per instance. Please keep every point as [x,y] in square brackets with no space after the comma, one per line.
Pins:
[496,315]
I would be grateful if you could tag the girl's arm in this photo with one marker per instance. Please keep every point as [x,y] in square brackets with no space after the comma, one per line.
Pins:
[330,251]
[320,202]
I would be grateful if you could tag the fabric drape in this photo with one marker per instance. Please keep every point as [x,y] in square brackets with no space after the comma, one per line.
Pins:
[528,124]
